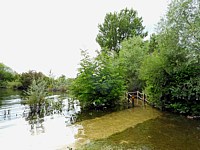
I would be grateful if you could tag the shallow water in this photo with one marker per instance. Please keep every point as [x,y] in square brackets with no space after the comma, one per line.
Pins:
[135,128]
[117,122]
[17,131]
[165,132]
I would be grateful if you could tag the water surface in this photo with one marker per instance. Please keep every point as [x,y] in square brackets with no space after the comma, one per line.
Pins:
[166,132]
[135,128]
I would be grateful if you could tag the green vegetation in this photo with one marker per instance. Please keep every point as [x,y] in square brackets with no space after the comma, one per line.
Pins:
[99,82]
[166,67]
[12,80]
[118,27]
[103,80]
[172,72]
[28,77]
[36,94]
[6,75]
[61,84]
[36,98]
[131,57]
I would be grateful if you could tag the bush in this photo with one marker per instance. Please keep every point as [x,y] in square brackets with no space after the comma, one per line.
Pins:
[99,82]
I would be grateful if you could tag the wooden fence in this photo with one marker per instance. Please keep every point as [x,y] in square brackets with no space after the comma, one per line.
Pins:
[138,96]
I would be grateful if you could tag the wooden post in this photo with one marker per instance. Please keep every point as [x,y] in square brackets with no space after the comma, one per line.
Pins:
[132,99]
[126,96]
[143,98]
[137,97]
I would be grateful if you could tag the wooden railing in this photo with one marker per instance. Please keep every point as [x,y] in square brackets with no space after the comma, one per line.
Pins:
[138,96]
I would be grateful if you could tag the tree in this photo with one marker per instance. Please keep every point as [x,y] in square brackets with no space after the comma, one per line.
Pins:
[131,56]
[118,27]
[183,17]
[36,94]
[172,73]
[99,81]
[153,43]
[28,77]
[15,83]
[6,74]
[60,84]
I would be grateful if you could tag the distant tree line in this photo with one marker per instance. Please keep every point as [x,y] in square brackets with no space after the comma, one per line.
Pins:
[13,80]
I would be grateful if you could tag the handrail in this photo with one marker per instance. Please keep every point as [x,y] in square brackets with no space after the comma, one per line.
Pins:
[140,96]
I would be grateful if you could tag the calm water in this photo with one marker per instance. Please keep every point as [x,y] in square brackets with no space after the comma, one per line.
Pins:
[137,128]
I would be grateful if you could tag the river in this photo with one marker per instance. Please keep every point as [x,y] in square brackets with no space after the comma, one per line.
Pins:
[142,128]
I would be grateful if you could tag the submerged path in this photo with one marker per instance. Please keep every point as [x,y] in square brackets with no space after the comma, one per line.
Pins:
[105,126]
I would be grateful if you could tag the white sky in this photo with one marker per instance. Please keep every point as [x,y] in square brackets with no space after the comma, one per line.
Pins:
[46,35]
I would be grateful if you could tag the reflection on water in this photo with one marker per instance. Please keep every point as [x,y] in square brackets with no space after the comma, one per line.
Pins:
[48,135]
[135,128]
[20,130]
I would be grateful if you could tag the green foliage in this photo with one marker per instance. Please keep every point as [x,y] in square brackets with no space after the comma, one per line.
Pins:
[184,17]
[15,83]
[131,56]
[118,27]
[37,92]
[36,98]
[28,77]
[172,73]
[153,43]
[35,95]
[61,84]
[69,82]
[6,75]
[99,82]
[152,72]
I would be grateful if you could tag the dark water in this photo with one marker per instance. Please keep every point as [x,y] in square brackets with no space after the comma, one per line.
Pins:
[139,128]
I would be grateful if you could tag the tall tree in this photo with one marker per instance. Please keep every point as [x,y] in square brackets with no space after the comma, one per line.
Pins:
[183,17]
[118,27]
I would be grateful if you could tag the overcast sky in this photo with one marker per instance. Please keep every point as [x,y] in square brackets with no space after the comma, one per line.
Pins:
[46,35]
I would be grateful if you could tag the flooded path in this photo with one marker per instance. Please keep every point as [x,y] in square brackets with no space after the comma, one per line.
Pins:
[141,129]
[103,127]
